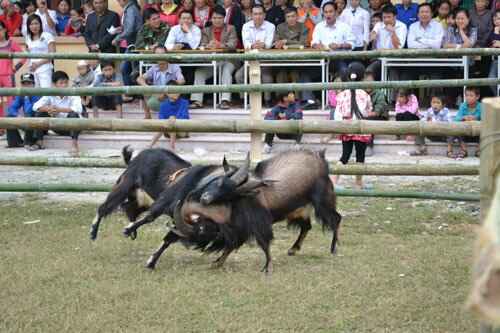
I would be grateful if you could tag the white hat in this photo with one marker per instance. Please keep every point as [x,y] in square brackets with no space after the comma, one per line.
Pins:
[82,63]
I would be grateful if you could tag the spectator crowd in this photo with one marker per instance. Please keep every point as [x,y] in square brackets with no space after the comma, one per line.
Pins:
[229,25]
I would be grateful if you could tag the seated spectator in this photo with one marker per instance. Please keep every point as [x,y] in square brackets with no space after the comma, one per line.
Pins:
[153,33]
[426,33]
[380,105]
[234,17]
[353,104]
[286,109]
[258,34]
[274,14]
[443,11]
[11,18]
[375,6]
[58,107]
[185,35]
[407,108]
[29,8]
[169,13]
[160,74]
[333,35]
[172,107]
[470,110]
[436,113]
[39,41]
[494,41]
[388,34]
[85,78]
[359,20]
[222,37]
[63,16]
[75,26]
[482,18]
[202,13]
[88,8]
[108,78]
[309,15]
[48,17]
[25,103]
[407,12]
[291,32]
[99,24]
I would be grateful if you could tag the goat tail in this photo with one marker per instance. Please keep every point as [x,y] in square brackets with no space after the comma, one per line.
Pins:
[127,153]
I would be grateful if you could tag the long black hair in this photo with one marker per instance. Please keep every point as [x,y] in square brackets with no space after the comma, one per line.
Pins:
[31,18]
[355,72]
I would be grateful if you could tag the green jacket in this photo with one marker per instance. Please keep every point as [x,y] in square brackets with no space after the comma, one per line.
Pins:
[148,37]
[380,105]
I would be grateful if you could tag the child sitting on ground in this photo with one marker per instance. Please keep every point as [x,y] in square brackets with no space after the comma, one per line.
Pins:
[407,108]
[108,78]
[353,105]
[470,110]
[58,107]
[286,109]
[85,78]
[436,113]
[173,106]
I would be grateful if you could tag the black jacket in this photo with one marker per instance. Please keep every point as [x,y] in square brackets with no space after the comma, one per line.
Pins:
[275,15]
[96,30]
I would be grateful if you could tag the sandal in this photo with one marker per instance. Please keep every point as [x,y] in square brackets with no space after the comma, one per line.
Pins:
[196,105]
[450,154]
[224,105]
[462,154]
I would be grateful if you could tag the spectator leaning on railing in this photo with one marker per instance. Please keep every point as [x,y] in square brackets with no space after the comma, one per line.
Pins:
[359,20]
[185,35]
[310,15]
[222,37]
[100,28]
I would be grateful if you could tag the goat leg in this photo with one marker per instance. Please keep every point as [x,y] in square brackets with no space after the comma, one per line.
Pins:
[222,259]
[169,239]
[305,226]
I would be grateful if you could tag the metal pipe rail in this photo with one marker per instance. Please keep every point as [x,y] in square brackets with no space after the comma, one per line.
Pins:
[237,88]
[180,57]
[248,126]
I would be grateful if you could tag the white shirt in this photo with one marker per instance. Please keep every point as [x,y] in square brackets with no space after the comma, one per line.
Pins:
[45,25]
[41,45]
[338,33]
[384,41]
[251,34]
[71,102]
[359,21]
[430,37]
[177,36]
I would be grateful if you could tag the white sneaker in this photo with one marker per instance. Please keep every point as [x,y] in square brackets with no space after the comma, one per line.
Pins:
[267,149]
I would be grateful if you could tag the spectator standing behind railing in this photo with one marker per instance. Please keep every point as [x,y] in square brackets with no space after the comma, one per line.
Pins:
[220,37]
[258,34]
[274,13]
[48,17]
[101,27]
[443,11]
[29,8]
[234,16]
[309,15]
[494,41]
[39,41]
[359,20]
[12,19]
[63,16]
[169,12]
[75,26]
[202,12]
[160,74]
[482,18]
[407,12]
[153,33]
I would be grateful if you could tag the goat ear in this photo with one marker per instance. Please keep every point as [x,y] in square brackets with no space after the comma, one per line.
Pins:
[225,165]
[242,174]
[251,186]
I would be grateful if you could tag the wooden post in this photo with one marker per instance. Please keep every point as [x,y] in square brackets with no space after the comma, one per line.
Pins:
[255,112]
[485,292]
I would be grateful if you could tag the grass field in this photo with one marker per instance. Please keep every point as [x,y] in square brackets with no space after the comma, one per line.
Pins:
[402,267]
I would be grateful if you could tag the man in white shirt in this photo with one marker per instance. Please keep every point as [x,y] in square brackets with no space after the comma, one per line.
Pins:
[258,34]
[331,34]
[48,17]
[358,19]
[58,107]
[386,35]
[426,33]
[185,35]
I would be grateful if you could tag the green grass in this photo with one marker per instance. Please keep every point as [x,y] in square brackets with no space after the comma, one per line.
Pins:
[397,271]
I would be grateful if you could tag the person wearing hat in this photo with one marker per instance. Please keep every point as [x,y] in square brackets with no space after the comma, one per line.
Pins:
[85,78]
[353,104]
[14,139]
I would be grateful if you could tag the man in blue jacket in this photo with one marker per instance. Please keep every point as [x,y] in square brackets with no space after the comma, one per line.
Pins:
[14,139]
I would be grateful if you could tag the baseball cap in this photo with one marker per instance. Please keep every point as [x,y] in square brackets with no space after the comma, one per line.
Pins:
[27,78]
[82,63]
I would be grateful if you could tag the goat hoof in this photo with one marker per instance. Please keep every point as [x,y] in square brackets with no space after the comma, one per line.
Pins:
[151,264]
[292,251]
[334,251]
[133,235]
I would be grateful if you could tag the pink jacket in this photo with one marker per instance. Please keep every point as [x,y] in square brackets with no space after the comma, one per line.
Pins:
[411,106]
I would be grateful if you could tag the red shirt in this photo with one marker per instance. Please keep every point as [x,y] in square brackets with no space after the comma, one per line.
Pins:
[12,22]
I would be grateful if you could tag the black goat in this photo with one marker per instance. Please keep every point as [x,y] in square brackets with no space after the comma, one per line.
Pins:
[286,186]
[146,176]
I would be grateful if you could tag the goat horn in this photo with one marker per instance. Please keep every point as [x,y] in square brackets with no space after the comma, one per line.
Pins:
[242,174]
[183,228]
[209,178]
[225,165]
[253,184]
